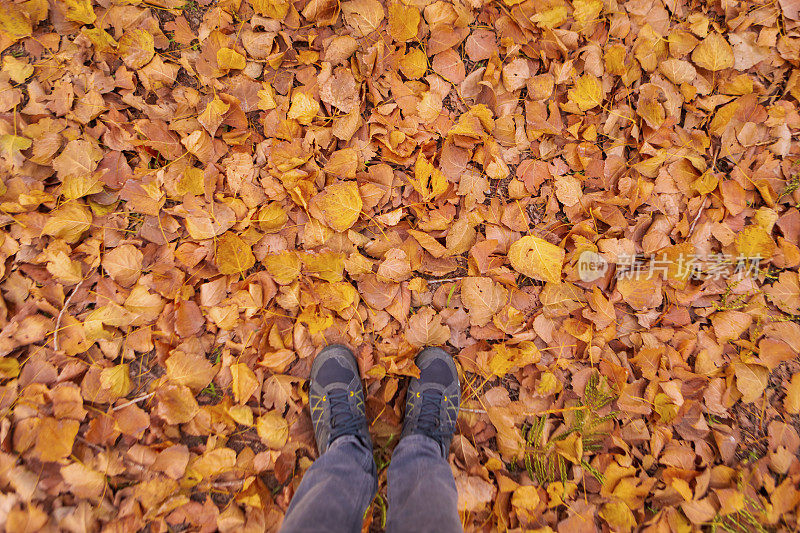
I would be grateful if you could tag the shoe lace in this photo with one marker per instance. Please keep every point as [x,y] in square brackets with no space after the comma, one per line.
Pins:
[342,420]
[429,420]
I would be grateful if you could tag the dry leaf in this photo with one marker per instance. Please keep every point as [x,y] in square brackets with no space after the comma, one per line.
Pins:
[713,53]
[483,297]
[425,329]
[537,258]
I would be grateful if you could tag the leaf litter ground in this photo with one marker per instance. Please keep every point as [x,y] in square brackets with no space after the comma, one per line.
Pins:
[196,197]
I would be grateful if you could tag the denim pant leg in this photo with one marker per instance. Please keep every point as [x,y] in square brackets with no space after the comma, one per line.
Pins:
[335,490]
[422,491]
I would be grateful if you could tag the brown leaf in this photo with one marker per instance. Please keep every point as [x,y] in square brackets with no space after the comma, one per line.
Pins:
[483,297]
[425,329]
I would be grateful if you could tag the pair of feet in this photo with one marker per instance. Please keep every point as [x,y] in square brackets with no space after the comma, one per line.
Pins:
[336,398]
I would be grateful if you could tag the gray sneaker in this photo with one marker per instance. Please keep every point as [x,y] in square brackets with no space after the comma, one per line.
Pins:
[336,398]
[433,399]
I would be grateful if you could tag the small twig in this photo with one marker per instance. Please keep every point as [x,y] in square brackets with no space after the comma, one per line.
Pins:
[224,484]
[135,400]
[445,280]
[696,218]
[61,313]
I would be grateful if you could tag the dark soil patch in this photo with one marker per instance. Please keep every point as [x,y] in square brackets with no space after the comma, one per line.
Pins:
[753,428]
[143,371]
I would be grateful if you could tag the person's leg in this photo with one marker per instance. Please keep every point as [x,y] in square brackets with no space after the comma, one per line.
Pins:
[335,491]
[337,488]
[422,491]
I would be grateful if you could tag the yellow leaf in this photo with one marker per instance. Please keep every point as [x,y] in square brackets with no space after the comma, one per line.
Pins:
[136,47]
[537,258]
[192,182]
[266,98]
[11,147]
[754,242]
[713,53]
[706,183]
[338,205]
[68,222]
[317,322]
[504,358]
[551,18]
[682,488]
[228,58]
[80,11]
[403,22]
[587,93]
[116,380]
[273,429]
[233,254]
[586,11]
[242,414]
[284,267]
[55,439]
[15,22]
[525,499]
[428,181]
[276,9]
[303,109]
[9,368]
[272,217]
[75,187]
[18,70]
[101,39]
[548,384]
[414,64]
[244,382]
[571,447]
[618,515]
[336,296]
[665,408]
[324,265]
[191,370]
[214,462]
[213,115]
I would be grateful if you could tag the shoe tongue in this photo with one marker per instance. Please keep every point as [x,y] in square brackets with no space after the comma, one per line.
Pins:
[437,372]
[332,371]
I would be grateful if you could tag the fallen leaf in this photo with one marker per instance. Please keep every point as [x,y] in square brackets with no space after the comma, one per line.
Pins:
[233,254]
[425,329]
[537,258]
[587,93]
[713,53]
[273,429]
[483,297]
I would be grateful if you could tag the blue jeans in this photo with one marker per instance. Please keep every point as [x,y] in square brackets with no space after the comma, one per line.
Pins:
[335,492]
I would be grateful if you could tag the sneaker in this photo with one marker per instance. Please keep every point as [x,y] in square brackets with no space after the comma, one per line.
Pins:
[433,398]
[336,398]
